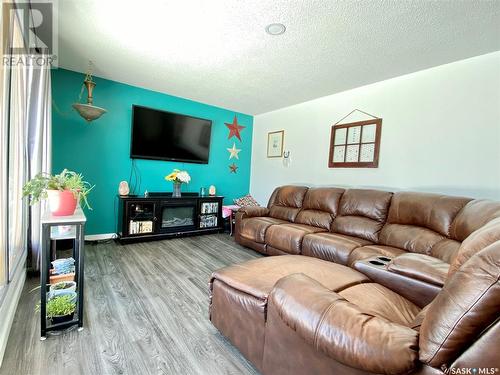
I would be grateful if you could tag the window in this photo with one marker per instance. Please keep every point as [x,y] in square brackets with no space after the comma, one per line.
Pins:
[13,162]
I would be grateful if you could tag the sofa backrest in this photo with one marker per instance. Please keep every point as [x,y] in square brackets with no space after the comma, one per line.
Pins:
[320,206]
[362,213]
[465,308]
[478,240]
[421,222]
[473,216]
[286,202]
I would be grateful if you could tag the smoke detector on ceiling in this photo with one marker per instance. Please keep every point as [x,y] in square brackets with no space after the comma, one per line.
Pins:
[275,29]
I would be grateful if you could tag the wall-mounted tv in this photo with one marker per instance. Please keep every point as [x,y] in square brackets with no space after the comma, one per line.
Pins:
[162,135]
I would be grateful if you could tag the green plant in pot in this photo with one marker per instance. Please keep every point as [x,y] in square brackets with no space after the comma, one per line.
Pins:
[60,309]
[63,191]
[64,285]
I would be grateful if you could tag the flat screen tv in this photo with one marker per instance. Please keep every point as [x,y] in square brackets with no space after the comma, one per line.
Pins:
[162,135]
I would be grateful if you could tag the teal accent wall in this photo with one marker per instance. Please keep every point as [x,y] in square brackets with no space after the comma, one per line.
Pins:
[101,150]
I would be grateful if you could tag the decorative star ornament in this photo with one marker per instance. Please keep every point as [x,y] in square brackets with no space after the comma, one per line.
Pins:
[232,168]
[233,151]
[234,129]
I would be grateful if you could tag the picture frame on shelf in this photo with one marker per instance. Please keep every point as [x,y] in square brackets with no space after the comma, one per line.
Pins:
[275,144]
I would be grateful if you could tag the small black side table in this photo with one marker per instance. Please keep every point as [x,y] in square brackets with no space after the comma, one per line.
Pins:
[51,226]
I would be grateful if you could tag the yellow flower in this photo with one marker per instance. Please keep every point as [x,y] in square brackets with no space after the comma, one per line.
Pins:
[171,177]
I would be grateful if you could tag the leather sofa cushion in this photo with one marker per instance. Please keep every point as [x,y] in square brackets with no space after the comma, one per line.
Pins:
[377,300]
[343,330]
[315,218]
[372,204]
[432,211]
[257,246]
[473,216]
[323,199]
[255,228]
[373,250]
[466,306]
[288,237]
[483,237]
[281,341]
[319,207]
[421,267]
[446,250]
[257,277]
[286,202]
[273,251]
[283,213]
[331,246]
[288,196]
[362,213]
[254,211]
[409,237]
[358,226]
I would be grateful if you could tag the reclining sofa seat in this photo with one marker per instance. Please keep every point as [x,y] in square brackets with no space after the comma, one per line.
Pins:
[252,223]
[361,216]
[297,315]
[318,209]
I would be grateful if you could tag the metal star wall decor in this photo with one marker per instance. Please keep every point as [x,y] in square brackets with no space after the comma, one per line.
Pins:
[233,152]
[232,168]
[234,129]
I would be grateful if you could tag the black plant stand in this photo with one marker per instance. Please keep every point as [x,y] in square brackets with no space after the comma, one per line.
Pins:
[51,231]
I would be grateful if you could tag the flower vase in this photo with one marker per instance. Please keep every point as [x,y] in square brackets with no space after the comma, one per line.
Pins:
[177,190]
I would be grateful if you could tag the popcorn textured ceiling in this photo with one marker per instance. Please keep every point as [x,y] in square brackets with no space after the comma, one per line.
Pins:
[218,52]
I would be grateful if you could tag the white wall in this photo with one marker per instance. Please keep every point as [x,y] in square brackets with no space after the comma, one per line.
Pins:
[440,133]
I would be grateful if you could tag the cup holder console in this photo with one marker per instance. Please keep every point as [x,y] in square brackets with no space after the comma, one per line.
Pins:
[379,261]
[376,262]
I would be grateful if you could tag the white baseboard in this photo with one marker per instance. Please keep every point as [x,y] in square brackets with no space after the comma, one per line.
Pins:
[100,237]
[8,307]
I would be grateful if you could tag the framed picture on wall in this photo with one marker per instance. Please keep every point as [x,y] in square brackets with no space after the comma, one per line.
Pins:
[275,144]
[355,145]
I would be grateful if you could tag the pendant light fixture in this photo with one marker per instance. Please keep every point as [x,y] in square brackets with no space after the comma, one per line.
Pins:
[88,111]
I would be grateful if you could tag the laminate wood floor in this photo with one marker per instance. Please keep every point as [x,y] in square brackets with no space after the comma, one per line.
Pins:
[146,312]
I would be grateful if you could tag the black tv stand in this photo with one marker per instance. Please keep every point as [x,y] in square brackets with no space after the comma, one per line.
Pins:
[160,216]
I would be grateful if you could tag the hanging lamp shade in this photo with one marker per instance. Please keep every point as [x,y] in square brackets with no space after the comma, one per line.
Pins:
[89,111]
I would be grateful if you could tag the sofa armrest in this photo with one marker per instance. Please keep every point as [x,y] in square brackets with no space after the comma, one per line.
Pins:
[341,330]
[421,267]
[253,211]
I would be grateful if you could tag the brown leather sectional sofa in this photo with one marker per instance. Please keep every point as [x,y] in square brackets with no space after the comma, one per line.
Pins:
[374,282]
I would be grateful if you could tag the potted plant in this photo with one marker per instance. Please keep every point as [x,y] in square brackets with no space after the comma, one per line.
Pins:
[63,285]
[63,191]
[178,177]
[60,308]
[62,292]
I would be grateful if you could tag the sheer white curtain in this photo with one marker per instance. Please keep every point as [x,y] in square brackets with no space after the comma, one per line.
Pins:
[39,146]
[17,159]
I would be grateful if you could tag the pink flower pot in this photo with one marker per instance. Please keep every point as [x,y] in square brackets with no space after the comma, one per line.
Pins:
[62,203]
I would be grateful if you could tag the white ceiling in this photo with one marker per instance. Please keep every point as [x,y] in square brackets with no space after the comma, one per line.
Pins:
[217,52]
